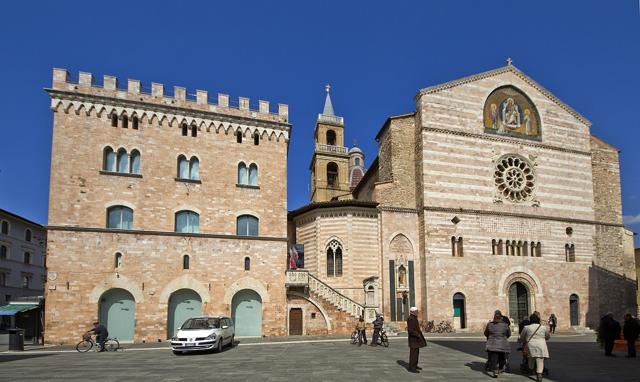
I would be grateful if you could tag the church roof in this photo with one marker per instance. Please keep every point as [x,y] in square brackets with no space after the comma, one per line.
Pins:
[331,204]
[355,149]
[505,69]
[355,175]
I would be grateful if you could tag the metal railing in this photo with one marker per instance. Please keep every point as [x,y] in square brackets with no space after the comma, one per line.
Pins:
[330,119]
[321,147]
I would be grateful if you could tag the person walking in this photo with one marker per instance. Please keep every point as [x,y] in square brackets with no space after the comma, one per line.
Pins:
[630,331]
[534,339]
[361,327]
[377,326]
[497,332]
[609,332]
[553,322]
[416,340]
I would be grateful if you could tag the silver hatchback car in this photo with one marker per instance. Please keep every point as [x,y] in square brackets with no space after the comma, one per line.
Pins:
[203,333]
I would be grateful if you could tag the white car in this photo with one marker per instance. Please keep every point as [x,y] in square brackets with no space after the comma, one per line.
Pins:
[203,333]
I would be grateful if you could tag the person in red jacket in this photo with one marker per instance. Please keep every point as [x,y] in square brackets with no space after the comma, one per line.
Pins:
[416,340]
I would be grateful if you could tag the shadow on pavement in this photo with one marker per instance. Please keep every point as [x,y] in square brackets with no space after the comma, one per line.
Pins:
[19,357]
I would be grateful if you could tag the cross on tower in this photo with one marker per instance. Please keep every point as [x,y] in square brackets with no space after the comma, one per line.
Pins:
[509,61]
[328,88]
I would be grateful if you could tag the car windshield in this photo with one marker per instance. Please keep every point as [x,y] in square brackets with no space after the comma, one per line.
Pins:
[201,323]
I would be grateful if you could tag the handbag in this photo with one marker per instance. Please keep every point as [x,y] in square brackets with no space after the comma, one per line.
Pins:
[525,346]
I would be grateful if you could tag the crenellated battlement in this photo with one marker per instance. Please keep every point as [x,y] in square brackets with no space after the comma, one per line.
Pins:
[135,92]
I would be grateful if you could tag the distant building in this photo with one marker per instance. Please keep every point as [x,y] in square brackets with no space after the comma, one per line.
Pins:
[22,257]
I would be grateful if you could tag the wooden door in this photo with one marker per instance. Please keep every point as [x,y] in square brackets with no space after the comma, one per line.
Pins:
[295,322]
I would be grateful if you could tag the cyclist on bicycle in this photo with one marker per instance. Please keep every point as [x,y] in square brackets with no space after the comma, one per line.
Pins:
[101,333]
[360,327]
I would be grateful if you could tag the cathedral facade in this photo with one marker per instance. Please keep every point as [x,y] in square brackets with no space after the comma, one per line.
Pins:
[491,194]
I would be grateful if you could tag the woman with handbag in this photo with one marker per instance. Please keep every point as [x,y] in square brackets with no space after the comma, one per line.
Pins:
[534,339]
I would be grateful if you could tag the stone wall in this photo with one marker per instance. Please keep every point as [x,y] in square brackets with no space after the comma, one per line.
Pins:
[83,263]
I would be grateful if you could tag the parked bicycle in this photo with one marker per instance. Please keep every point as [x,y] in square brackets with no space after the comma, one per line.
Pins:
[383,339]
[87,343]
[441,327]
[354,337]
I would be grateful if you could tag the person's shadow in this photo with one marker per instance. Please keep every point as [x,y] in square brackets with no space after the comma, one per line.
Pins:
[476,366]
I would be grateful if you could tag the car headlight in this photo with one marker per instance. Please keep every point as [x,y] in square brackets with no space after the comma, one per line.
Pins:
[174,338]
[211,336]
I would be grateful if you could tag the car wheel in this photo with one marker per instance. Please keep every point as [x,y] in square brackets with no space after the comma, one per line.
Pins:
[176,352]
[231,342]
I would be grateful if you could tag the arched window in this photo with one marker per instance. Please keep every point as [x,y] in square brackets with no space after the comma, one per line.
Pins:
[570,253]
[456,247]
[331,137]
[194,131]
[253,174]
[256,139]
[519,248]
[135,162]
[538,249]
[120,217]
[3,252]
[334,259]
[370,297]
[500,252]
[525,249]
[27,258]
[402,276]
[185,262]
[27,234]
[109,159]
[185,129]
[187,222]
[5,227]
[123,161]
[239,136]
[114,120]
[243,174]
[134,122]
[183,167]
[507,246]
[125,122]
[494,247]
[332,174]
[247,225]
[357,161]
[117,260]
[194,168]
[247,263]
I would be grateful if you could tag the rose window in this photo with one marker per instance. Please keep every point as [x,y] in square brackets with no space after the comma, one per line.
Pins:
[514,178]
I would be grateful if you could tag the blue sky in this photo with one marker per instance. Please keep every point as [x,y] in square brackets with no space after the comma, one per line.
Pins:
[376,55]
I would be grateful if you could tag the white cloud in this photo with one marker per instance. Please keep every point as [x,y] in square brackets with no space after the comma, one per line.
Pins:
[631,219]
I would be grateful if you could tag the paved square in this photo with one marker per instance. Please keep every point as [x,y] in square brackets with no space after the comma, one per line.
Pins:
[575,358]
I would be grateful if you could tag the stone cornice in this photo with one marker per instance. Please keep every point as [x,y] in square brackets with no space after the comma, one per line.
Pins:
[162,233]
[398,209]
[496,72]
[520,215]
[496,138]
[163,109]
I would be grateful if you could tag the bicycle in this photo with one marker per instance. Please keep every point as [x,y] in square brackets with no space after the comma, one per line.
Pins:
[354,337]
[383,339]
[87,343]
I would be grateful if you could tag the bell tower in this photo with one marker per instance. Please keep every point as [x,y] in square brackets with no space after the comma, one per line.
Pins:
[330,162]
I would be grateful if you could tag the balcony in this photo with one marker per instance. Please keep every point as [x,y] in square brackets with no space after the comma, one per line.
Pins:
[297,278]
[322,148]
[332,119]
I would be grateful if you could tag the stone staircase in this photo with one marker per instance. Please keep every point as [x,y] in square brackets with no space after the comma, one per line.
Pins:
[318,288]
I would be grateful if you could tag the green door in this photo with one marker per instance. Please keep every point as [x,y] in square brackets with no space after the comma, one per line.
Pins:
[183,304]
[518,301]
[117,313]
[247,313]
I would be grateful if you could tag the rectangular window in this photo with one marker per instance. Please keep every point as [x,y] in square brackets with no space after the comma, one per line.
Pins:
[26,281]
[3,279]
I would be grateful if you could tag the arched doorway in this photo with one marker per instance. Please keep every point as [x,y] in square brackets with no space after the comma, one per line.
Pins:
[117,312]
[518,301]
[459,314]
[574,309]
[183,304]
[246,310]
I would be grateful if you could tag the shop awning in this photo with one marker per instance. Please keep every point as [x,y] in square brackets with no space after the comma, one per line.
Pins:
[13,309]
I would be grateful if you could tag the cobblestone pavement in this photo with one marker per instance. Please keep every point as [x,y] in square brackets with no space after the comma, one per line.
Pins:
[575,358]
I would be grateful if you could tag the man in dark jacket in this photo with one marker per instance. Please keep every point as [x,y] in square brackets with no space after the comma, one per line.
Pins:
[101,334]
[631,330]
[416,340]
[609,332]
[377,326]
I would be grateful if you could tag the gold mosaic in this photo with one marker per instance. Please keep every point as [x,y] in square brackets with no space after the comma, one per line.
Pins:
[510,112]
